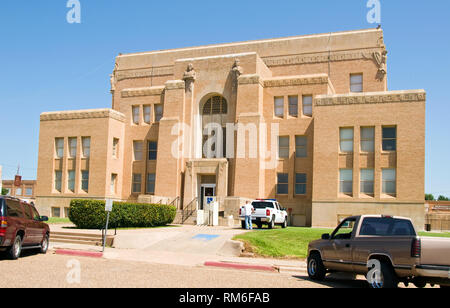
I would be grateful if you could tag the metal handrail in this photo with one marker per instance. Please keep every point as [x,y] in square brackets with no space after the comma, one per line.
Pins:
[176,200]
[189,210]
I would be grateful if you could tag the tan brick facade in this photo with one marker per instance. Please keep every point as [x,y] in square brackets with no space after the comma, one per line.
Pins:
[264,84]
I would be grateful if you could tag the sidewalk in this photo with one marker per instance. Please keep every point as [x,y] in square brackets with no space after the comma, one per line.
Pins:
[179,245]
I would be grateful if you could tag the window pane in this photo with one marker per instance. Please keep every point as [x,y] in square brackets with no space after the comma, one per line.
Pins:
[85,180]
[147,114]
[300,189]
[158,112]
[368,133]
[58,179]
[293,106]
[71,180]
[137,148]
[300,178]
[135,110]
[86,143]
[346,133]
[367,146]
[367,174]
[389,145]
[59,145]
[283,178]
[72,147]
[346,175]
[283,147]
[356,83]
[307,105]
[346,139]
[301,146]
[279,107]
[346,146]
[389,175]
[151,183]
[389,132]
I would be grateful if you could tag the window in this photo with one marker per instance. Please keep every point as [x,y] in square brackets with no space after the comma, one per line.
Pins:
[293,106]
[137,149]
[66,212]
[158,112]
[279,107]
[374,226]
[137,181]
[283,147]
[215,105]
[59,146]
[27,212]
[346,181]
[300,184]
[389,178]
[367,139]
[85,180]
[135,114]
[71,181]
[345,230]
[115,148]
[356,83]
[301,146]
[152,150]
[28,191]
[14,208]
[18,191]
[56,212]
[307,105]
[58,180]
[283,184]
[86,143]
[72,147]
[36,215]
[389,139]
[346,143]
[113,184]
[147,114]
[367,179]
[151,178]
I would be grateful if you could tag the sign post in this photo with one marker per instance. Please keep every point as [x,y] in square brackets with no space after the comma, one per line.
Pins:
[108,209]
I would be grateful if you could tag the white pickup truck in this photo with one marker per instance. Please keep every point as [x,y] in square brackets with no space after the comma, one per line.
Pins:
[267,211]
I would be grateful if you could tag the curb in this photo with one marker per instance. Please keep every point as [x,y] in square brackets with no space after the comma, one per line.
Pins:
[243,266]
[79,253]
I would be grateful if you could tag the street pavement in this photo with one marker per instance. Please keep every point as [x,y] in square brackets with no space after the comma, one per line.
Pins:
[58,271]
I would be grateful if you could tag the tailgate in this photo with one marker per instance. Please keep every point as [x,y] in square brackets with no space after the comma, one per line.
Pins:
[260,213]
[435,251]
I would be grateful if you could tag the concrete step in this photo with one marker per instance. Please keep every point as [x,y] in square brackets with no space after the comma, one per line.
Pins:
[67,241]
[80,238]
[93,235]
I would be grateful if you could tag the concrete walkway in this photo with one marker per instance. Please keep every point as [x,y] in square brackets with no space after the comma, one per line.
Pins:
[180,245]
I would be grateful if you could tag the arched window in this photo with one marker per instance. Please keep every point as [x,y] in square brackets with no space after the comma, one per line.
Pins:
[215,105]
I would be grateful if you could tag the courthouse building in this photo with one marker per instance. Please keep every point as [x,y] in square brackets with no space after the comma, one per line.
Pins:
[308,120]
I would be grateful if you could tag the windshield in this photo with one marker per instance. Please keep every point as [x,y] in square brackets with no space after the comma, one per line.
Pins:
[2,210]
[374,226]
[262,205]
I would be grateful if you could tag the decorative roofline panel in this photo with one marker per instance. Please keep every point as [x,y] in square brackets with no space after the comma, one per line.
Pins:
[147,91]
[371,98]
[83,114]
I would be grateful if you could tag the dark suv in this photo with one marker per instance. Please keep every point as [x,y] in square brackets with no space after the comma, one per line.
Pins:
[21,227]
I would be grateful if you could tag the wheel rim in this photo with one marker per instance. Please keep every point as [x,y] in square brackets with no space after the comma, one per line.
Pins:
[45,244]
[312,267]
[17,247]
[375,284]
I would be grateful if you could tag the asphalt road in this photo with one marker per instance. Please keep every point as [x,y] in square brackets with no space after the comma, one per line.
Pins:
[55,271]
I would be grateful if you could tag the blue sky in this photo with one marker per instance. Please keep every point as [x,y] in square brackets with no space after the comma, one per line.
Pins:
[48,64]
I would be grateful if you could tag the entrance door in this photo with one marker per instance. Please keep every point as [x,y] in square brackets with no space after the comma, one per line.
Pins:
[206,190]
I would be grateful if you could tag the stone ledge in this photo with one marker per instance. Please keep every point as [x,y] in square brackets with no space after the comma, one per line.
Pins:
[175,84]
[146,91]
[296,80]
[83,114]
[371,98]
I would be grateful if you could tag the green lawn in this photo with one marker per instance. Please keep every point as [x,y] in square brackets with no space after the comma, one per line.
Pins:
[281,243]
[289,243]
[56,220]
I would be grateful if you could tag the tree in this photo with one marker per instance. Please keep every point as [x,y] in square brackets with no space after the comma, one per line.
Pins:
[443,198]
[429,197]
[4,191]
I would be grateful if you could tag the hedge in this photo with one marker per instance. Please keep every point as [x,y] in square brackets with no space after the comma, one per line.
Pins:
[90,214]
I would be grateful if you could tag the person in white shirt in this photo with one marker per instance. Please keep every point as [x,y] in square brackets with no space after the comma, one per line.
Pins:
[248,211]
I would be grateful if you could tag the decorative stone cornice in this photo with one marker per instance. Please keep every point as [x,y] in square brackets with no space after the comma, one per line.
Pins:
[250,79]
[321,57]
[175,84]
[146,72]
[371,98]
[83,114]
[147,91]
[296,80]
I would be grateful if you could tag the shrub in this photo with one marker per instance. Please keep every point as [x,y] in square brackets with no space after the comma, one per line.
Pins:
[90,214]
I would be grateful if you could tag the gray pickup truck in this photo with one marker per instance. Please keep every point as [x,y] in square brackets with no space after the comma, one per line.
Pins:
[391,243]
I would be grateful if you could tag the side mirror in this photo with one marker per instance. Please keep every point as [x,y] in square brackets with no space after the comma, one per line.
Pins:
[44,218]
[325,236]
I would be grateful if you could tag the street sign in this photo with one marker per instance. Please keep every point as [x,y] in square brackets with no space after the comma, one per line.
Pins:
[108,205]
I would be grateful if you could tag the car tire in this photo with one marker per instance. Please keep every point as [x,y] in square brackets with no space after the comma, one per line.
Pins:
[444,287]
[285,223]
[259,225]
[271,224]
[16,249]
[243,224]
[419,283]
[389,279]
[316,269]
[44,244]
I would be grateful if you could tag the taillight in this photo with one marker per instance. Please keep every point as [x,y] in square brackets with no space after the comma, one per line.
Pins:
[240,212]
[416,248]
[3,225]
[267,212]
